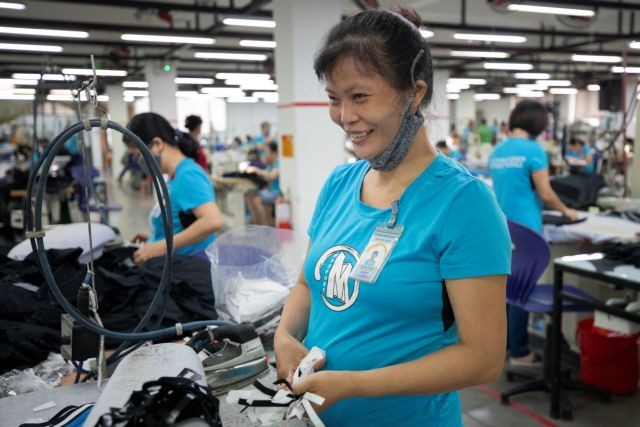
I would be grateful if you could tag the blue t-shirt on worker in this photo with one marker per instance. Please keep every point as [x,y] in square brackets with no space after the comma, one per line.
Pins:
[190,188]
[511,163]
[589,167]
[453,228]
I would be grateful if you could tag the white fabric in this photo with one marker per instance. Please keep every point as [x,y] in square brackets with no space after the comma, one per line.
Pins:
[296,409]
[247,300]
[67,236]
[597,229]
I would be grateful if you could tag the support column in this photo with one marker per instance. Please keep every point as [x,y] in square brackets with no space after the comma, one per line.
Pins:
[465,110]
[162,90]
[117,113]
[311,145]
[634,168]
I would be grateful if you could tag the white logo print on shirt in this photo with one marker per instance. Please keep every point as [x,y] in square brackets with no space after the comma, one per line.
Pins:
[333,270]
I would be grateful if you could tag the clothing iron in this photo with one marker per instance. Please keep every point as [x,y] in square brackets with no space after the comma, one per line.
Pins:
[232,356]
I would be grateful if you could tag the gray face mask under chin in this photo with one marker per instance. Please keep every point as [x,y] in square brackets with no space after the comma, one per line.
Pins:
[391,157]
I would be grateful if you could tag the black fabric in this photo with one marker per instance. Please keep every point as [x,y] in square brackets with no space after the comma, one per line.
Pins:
[30,320]
[256,179]
[560,220]
[628,253]
[632,215]
[578,190]
[447,310]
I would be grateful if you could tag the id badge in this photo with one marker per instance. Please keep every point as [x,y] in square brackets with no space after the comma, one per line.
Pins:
[376,253]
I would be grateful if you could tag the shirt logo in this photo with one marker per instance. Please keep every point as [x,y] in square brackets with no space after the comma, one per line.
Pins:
[333,269]
[513,162]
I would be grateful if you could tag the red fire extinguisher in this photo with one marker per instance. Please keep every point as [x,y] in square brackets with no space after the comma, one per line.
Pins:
[283,213]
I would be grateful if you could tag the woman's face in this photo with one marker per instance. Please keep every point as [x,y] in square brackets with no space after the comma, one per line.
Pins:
[365,106]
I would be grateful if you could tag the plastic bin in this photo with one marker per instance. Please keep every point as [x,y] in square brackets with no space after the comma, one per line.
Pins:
[608,359]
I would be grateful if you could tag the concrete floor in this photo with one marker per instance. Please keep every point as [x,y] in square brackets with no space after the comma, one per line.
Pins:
[481,405]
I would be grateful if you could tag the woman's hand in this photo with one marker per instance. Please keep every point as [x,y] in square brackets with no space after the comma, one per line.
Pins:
[332,385]
[150,250]
[289,353]
[140,238]
[572,214]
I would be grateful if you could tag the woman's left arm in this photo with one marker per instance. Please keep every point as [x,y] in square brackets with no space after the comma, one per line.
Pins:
[479,307]
[208,220]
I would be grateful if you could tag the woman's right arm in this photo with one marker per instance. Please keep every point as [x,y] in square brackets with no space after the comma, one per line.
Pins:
[292,329]
[548,196]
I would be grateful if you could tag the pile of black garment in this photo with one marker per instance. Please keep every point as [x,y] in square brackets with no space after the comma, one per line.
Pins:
[30,316]
[628,253]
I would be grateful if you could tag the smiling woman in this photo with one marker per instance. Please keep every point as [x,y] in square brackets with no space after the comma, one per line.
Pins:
[399,285]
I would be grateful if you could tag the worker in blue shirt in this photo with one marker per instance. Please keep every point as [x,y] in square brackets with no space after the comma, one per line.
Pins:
[519,168]
[580,155]
[427,318]
[196,217]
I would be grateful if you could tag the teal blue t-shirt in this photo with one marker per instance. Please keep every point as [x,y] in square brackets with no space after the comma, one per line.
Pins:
[190,188]
[511,163]
[589,167]
[453,228]
[275,184]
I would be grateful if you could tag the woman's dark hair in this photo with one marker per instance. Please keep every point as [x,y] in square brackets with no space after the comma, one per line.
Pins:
[151,125]
[386,41]
[530,116]
[273,147]
[574,141]
[192,122]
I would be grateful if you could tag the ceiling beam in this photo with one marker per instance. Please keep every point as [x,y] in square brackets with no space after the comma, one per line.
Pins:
[184,7]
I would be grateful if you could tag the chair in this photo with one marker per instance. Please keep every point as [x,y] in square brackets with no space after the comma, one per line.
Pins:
[530,257]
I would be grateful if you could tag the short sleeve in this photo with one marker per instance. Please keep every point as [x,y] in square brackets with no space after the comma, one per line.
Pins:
[538,158]
[475,240]
[195,190]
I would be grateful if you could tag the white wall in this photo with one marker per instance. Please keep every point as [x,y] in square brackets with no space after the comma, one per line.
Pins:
[244,119]
[212,111]
[495,110]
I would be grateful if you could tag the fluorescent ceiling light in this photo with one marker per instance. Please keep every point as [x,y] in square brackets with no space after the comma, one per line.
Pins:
[628,70]
[50,77]
[634,44]
[593,88]
[534,87]
[258,43]
[222,92]
[490,38]
[44,32]
[129,99]
[507,66]
[265,94]
[227,76]
[137,85]
[464,81]
[532,76]
[549,83]
[453,96]
[261,23]
[453,89]
[135,93]
[610,59]
[514,90]
[231,56]
[89,72]
[30,47]
[462,86]
[242,99]
[552,10]
[257,86]
[193,81]
[167,39]
[426,33]
[25,82]
[18,91]
[530,94]
[563,90]
[478,54]
[14,6]
[16,96]
[486,96]
[246,81]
